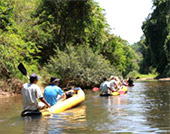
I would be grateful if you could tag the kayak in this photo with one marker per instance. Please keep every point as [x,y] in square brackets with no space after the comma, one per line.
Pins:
[74,97]
[122,90]
[66,104]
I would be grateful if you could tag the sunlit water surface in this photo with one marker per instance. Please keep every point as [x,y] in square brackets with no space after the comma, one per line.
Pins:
[144,109]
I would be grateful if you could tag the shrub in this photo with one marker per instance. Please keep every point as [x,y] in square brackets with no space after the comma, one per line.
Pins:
[80,66]
[133,74]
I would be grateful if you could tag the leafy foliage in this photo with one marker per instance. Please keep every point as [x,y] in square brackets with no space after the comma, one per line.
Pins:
[71,42]
[80,65]
[120,55]
[13,46]
[157,30]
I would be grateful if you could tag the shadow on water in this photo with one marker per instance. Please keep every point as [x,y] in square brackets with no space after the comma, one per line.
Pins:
[144,109]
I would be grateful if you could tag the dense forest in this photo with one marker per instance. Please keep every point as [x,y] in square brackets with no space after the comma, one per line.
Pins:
[57,37]
[154,46]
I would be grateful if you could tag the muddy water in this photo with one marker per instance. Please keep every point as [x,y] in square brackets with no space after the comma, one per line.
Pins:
[144,109]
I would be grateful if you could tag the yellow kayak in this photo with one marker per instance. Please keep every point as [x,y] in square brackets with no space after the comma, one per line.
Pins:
[122,90]
[66,104]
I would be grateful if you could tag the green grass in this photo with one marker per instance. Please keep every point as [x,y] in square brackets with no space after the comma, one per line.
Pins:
[147,75]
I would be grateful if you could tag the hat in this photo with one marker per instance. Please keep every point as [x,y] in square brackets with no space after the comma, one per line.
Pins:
[53,79]
[111,77]
[34,75]
[117,79]
[77,88]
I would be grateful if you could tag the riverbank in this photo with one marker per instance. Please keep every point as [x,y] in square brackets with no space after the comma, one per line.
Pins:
[12,87]
[152,79]
[6,94]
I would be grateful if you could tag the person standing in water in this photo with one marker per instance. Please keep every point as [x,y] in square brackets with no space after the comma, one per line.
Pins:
[30,93]
[104,87]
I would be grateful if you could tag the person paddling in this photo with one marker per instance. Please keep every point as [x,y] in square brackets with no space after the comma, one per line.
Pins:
[30,93]
[52,91]
[129,81]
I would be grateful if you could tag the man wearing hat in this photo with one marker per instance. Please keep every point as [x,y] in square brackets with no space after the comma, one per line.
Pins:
[30,93]
[52,91]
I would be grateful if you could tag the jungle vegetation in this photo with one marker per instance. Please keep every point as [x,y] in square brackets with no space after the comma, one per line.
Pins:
[155,44]
[57,37]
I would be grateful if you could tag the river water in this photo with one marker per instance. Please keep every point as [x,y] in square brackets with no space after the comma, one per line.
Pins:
[144,109]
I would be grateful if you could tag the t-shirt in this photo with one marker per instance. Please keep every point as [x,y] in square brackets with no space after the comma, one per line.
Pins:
[51,92]
[112,84]
[104,87]
[30,93]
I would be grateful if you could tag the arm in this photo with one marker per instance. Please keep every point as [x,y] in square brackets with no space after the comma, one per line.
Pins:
[39,96]
[63,97]
[116,86]
[60,91]
[44,101]
[120,83]
[110,89]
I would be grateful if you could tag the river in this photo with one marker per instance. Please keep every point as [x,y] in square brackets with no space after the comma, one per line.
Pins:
[144,109]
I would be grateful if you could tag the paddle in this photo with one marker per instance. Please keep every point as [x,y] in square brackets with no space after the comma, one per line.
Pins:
[23,70]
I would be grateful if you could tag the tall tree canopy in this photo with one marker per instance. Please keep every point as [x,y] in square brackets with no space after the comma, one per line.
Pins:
[157,32]
[64,21]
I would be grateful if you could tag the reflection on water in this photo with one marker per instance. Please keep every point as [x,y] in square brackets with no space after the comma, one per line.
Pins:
[35,125]
[144,109]
[159,105]
[68,121]
[10,121]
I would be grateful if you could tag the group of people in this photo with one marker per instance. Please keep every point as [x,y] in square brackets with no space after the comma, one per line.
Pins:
[112,85]
[31,92]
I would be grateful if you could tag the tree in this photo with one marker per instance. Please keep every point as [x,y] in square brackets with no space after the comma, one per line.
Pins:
[157,32]
[13,46]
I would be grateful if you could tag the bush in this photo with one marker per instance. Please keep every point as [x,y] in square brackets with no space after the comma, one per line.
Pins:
[80,66]
[133,74]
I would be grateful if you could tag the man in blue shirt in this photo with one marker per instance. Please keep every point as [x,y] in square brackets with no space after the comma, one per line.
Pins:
[52,91]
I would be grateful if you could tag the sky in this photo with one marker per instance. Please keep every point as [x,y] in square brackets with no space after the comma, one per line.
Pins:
[125,17]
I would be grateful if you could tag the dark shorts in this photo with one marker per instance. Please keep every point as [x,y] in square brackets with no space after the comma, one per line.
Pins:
[30,113]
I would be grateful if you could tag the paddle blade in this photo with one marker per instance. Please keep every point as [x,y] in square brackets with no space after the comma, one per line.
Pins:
[22,69]
[95,89]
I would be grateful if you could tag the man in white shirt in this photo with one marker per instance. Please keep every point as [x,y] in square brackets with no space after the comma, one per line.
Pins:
[30,93]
